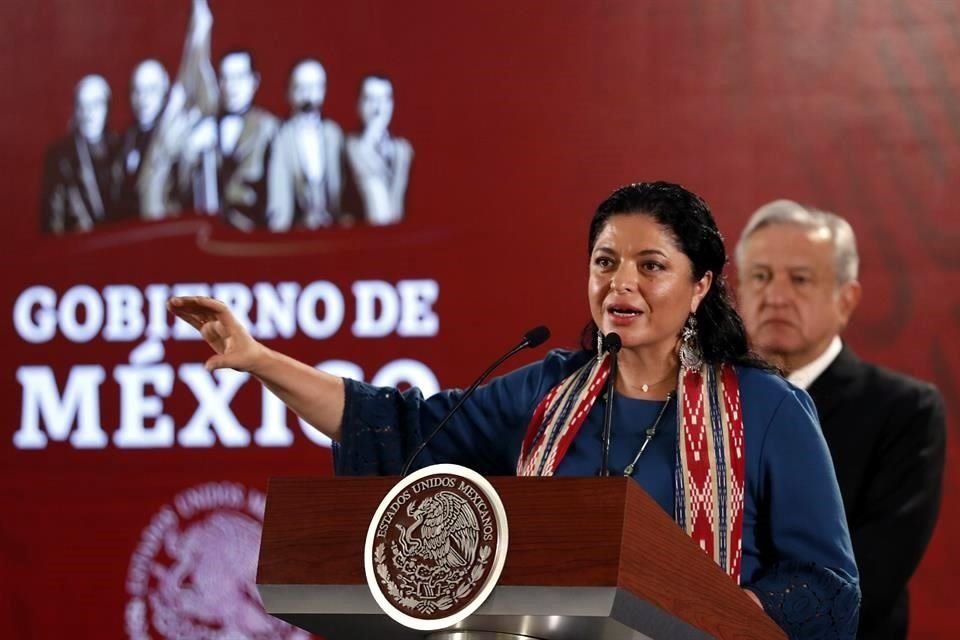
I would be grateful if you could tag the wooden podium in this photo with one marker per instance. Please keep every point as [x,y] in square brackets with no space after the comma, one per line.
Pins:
[587,558]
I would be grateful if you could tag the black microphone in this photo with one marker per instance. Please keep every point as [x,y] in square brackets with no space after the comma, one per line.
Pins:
[533,338]
[612,343]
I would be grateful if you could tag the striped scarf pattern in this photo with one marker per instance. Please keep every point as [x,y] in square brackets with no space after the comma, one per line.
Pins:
[558,418]
[709,473]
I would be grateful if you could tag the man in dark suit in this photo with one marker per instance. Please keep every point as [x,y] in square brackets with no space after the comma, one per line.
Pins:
[798,288]
[78,170]
[149,87]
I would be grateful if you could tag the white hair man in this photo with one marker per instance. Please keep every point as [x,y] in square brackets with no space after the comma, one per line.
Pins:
[798,289]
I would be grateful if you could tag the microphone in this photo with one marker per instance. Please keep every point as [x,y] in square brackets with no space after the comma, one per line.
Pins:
[612,343]
[533,338]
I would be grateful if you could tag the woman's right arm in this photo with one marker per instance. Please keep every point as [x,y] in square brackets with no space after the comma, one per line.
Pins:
[809,581]
[315,396]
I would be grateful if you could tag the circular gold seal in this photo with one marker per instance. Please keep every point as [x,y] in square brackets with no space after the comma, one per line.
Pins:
[436,546]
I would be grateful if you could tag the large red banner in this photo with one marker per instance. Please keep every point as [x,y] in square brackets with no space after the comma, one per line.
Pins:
[395,192]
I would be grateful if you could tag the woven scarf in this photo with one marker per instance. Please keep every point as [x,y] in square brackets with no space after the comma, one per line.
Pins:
[709,470]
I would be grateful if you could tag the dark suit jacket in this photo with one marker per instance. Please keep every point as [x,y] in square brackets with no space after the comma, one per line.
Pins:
[887,437]
[132,156]
[76,188]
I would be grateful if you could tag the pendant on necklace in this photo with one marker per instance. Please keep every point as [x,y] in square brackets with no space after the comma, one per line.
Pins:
[644,387]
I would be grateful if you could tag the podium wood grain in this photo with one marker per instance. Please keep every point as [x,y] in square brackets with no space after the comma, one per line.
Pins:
[564,532]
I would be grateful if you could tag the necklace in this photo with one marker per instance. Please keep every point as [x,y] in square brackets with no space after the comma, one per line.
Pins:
[645,387]
[650,432]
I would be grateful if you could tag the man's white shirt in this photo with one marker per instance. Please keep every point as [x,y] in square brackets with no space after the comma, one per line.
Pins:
[805,375]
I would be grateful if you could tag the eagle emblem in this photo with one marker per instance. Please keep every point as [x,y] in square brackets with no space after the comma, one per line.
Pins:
[437,543]
[444,531]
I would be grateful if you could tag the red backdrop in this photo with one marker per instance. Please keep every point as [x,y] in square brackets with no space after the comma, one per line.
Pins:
[523,116]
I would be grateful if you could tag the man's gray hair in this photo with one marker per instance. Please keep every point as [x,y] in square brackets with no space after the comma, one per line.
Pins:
[846,261]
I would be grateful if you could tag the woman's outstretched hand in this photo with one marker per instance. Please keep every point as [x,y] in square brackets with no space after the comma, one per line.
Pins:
[234,346]
[315,396]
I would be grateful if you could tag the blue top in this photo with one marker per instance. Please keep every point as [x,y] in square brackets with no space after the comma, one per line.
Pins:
[797,555]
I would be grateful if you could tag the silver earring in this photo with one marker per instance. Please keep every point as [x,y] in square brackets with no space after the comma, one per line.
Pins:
[691,357]
[599,346]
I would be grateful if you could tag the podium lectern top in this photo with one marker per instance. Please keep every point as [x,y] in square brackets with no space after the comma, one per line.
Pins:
[587,558]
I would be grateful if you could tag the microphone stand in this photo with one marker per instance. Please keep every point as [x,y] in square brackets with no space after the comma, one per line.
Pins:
[533,338]
[612,343]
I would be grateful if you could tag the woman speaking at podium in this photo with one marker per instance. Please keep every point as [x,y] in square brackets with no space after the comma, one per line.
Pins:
[692,410]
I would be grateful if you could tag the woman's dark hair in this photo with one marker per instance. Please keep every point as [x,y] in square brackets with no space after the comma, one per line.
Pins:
[687,217]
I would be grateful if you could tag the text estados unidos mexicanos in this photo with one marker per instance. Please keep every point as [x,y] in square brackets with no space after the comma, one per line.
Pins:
[125,313]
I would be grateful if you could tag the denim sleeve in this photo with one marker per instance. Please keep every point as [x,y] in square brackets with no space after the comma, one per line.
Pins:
[809,601]
[383,426]
[809,581]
